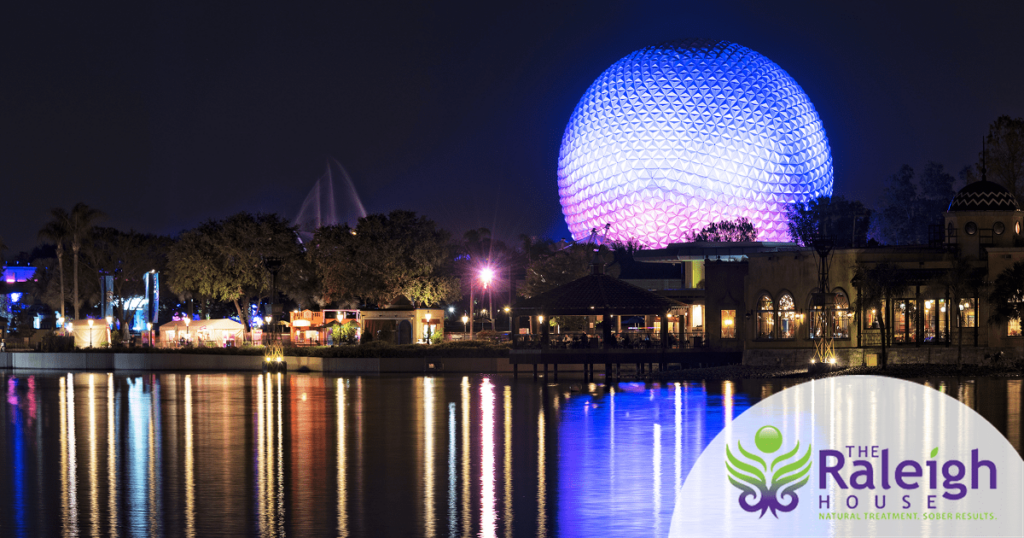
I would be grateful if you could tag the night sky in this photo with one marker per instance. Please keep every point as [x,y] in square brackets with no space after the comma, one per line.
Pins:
[164,114]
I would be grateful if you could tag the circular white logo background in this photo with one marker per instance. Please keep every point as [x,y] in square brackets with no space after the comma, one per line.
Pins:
[855,456]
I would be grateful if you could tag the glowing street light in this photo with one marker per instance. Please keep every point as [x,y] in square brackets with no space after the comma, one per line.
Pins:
[464,320]
[90,332]
[486,275]
[508,311]
[188,333]
[149,329]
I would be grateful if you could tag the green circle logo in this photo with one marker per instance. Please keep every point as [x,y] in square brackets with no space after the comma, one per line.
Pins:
[768,439]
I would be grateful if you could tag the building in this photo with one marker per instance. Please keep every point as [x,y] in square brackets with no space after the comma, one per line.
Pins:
[760,297]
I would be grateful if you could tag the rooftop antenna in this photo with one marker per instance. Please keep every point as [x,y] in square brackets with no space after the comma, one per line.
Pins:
[983,178]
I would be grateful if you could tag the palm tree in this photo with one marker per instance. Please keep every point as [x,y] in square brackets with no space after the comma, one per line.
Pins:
[57,231]
[80,224]
[1007,297]
[960,281]
[878,285]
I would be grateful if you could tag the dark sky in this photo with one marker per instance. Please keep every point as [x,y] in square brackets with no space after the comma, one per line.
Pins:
[164,114]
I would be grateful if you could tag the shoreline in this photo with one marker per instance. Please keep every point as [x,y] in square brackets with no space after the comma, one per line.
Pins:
[901,371]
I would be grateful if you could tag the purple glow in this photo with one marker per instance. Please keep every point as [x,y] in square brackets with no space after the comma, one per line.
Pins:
[676,136]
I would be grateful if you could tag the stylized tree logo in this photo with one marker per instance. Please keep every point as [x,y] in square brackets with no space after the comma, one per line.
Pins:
[753,482]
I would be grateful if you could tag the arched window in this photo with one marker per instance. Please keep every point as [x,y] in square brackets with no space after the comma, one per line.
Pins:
[787,317]
[841,323]
[765,318]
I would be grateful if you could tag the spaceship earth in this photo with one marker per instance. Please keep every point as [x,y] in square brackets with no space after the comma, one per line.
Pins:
[679,135]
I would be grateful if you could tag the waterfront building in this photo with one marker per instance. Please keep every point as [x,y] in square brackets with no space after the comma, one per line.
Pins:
[758,297]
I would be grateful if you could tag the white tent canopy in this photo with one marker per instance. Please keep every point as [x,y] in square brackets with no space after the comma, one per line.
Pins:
[219,330]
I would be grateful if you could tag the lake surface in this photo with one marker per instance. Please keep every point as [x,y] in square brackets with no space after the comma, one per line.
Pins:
[305,455]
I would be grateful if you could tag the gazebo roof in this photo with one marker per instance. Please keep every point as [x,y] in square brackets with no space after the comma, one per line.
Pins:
[596,294]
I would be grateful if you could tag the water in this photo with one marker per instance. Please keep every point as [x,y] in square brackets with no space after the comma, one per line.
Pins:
[305,455]
[320,208]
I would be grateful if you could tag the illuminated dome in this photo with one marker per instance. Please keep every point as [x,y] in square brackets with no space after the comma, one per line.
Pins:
[679,135]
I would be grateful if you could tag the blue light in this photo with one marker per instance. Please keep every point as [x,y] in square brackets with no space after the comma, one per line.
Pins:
[679,135]
[16,296]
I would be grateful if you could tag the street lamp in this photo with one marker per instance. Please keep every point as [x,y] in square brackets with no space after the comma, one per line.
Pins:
[508,311]
[90,332]
[188,333]
[487,275]
[464,320]
[149,329]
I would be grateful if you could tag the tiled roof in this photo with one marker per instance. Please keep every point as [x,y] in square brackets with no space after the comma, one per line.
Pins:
[594,295]
[984,196]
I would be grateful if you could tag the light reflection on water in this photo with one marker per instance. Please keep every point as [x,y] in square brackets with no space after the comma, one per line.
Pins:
[264,454]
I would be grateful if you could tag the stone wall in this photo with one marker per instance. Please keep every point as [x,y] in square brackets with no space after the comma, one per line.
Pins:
[801,358]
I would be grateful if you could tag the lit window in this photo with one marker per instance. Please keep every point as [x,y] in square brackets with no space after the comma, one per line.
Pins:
[765,318]
[872,317]
[1016,228]
[841,317]
[787,317]
[968,313]
[1013,327]
[728,324]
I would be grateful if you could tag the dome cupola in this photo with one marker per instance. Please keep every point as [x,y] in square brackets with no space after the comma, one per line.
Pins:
[984,196]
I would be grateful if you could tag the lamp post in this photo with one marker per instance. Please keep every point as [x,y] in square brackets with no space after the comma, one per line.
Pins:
[110,329]
[464,320]
[487,275]
[428,327]
[508,313]
[90,332]
[149,329]
[188,333]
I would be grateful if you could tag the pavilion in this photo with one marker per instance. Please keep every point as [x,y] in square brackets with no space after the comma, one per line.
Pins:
[596,295]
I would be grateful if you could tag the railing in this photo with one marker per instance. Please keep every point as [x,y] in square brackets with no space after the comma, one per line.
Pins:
[634,339]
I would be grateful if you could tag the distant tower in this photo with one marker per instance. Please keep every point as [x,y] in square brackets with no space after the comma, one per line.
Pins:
[983,214]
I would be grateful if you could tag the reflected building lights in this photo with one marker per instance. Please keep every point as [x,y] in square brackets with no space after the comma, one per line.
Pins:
[154,464]
[342,463]
[488,510]
[428,457]
[65,498]
[466,521]
[678,469]
[261,455]
[280,455]
[111,458]
[1013,409]
[657,478]
[190,481]
[542,509]
[507,471]
[72,521]
[452,474]
[94,487]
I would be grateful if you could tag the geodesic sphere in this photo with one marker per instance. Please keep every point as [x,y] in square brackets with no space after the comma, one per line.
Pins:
[679,135]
